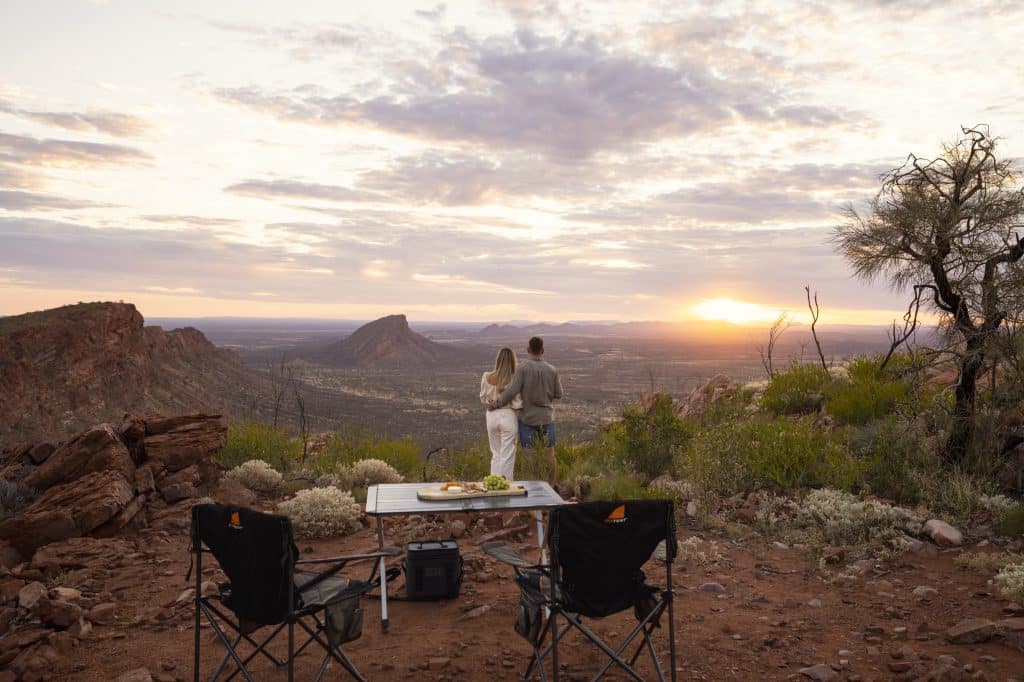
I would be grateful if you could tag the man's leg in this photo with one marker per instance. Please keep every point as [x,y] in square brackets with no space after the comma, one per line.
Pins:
[552,467]
[548,433]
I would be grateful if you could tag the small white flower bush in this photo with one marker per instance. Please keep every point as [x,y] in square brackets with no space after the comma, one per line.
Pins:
[367,472]
[256,475]
[843,519]
[996,505]
[321,512]
[1010,581]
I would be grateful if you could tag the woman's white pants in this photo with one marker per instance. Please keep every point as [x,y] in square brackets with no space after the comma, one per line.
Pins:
[502,431]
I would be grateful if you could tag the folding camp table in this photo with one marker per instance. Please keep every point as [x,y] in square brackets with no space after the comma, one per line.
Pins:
[399,499]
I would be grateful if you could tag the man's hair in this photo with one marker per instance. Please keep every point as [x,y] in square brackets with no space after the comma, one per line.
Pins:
[537,345]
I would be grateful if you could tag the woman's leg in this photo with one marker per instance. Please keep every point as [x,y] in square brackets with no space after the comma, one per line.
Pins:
[509,433]
[494,432]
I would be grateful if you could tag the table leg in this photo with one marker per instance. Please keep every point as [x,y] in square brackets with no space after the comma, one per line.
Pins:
[539,516]
[383,578]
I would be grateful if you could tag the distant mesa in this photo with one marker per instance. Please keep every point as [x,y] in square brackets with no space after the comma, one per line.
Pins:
[385,342]
[68,368]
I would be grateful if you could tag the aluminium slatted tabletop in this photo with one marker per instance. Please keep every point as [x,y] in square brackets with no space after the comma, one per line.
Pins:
[397,499]
[394,499]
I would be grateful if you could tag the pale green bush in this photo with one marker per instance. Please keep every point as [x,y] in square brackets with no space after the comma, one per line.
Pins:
[1010,581]
[997,506]
[321,512]
[256,475]
[843,519]
[367,472]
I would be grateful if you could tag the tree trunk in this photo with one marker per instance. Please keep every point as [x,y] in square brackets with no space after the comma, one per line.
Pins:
[961,430]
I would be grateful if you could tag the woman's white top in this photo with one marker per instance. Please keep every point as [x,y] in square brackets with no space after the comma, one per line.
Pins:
[489,392]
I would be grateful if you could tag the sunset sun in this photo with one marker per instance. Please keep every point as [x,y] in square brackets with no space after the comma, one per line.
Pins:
[725,309]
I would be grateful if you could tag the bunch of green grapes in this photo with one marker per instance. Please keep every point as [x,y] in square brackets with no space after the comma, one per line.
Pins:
[493,482]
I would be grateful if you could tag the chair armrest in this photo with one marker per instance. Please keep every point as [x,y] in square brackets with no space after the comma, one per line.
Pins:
[507,555]
[385,552]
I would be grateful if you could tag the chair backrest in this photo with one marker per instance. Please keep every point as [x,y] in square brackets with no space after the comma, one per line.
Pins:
[256,552]
[599,549]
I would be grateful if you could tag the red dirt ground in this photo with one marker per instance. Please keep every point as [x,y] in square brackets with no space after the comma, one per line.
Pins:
[760,628]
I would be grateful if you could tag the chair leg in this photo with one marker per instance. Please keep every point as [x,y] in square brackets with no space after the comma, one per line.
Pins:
[335,652]
[227,644]
[554,646]
[291,651]
[224,659]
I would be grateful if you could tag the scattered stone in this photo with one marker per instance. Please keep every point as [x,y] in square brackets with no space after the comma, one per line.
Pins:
[458,528]
[59,614]
[845,653]
[711,587]
[1011,624]
[477,612]
[30,594]
[814,603]
[834,555]
[438,663]
[900,666]
[924,592]
[103,614]
[819,672]
[779,545]
[691,508]
[971,631]
[137,675]
[942,533]
[66,593]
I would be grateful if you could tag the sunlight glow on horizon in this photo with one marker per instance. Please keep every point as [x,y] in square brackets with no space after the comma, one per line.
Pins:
[725,309]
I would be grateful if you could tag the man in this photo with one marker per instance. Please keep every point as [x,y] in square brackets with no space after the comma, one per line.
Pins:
[538,384]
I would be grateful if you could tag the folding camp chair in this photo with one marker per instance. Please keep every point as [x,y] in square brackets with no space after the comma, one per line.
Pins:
[598,550]
[257,553]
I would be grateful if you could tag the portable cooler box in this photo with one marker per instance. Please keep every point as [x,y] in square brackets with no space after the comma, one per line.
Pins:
[433,570]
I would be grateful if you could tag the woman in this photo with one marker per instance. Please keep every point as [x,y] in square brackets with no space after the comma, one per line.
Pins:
[503,423]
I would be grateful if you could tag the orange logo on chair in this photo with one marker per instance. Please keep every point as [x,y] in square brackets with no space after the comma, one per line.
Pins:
[618,515]
[235,522]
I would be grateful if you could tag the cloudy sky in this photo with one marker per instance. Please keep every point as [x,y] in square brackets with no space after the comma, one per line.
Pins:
[481,160]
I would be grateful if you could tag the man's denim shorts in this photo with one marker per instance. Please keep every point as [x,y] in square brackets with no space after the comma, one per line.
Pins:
[529,435]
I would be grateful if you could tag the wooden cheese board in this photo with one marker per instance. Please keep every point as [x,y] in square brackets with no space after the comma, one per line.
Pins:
[471,491]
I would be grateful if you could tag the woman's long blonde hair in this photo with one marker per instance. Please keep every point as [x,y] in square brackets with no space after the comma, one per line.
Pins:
[504,368]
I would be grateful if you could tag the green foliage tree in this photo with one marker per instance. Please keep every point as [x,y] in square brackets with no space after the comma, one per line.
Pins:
[948,226]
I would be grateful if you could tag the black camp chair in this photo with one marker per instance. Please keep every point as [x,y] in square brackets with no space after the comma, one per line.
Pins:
[598,550]
[259,557]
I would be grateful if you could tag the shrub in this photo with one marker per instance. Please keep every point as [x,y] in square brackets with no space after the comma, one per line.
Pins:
[1010,581]
[748,455]
[350,445]
[846,520]
[987,561]
[321,512]
[367,472]
[865,397]
[256,475]
[258,441]
[15,496]
[648,437]
[798,390]
[1011,523]
[623,486]
[889,451]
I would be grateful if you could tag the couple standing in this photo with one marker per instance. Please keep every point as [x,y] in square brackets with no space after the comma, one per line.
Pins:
[518,401]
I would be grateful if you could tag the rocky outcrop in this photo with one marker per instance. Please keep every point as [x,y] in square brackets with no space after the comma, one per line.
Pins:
[385,342]
[64,369]
[103,480]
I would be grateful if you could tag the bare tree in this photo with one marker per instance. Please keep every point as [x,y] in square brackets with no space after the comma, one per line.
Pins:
[898,337]
[949,224]
[779,326]
[281,376]
[815,314]
[304,422]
